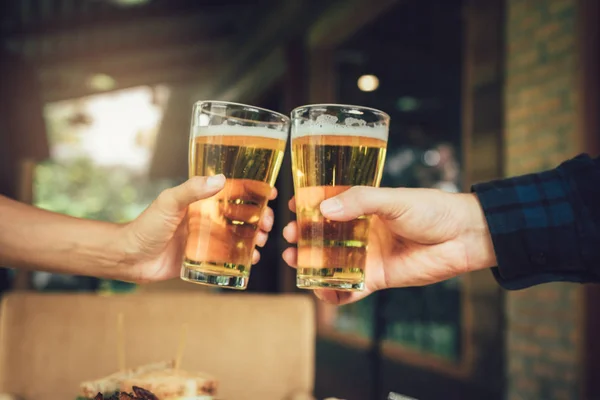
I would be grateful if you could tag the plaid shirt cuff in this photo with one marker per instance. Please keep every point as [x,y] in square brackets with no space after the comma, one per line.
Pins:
[545,227]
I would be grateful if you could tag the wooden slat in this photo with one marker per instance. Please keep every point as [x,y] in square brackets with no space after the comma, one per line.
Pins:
[482,149]
[295,90]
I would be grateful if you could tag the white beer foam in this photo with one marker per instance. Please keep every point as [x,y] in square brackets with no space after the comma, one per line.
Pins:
[239,130]
[374,132]
[326,124]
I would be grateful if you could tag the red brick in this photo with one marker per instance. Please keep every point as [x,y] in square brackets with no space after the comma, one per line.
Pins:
[531,20]
[523,328]
[558,6]
[573,295]
[517,10]
[516,366]
[545,32]
[545,370]
[516,396]
[547,293]
[526,384]
[570,376]
[529,349]
[547,332]
[561,44]
[524,59]
[541,73]
[548,106]
[574,337]
[531,94]
[561,394]
[524,43]
[527,310]
[540,120]
[563,356]
[518,114]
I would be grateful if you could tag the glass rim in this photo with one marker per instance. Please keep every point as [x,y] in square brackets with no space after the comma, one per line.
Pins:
[333,105]
[260,109]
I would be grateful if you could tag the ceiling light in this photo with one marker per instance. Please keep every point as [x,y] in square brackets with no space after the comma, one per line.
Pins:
[368,83]
[101,82]
[129,3]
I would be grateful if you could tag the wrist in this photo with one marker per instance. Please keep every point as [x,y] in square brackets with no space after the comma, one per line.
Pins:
[121,249]
[477,237]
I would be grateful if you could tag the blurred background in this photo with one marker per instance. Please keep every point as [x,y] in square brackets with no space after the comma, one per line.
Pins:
[95,106]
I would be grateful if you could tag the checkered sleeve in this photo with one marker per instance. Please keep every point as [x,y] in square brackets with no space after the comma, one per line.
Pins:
[545,227]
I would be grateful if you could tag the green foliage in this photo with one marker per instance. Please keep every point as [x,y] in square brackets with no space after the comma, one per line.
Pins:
[82,189]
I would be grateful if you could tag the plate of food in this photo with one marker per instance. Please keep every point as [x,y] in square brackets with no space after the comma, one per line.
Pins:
[156,381]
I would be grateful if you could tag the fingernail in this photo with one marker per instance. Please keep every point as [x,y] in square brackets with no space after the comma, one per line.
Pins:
[216,181]
[331,206]
[269,221]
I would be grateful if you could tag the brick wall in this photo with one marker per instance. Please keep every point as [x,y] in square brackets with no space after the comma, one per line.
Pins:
[540,125]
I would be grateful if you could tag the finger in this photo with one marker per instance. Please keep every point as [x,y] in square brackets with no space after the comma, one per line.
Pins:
[176,199]
[362,200]
[255,257]
[267,220]
[261,238]
[292,204]
[290,256]
[273,194]
[290,232]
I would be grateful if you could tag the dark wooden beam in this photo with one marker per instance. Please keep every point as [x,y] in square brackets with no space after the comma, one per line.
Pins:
[258,78]
[146,56]
[89,15]
[482,159]
[343,19]
[284,22]
[61,53]
[182,74]
[588,44]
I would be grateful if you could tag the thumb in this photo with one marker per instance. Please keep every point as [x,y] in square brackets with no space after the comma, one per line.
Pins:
[363,200]
[175,200]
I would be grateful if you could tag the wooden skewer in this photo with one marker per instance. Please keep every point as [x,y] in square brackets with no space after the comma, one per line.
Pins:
[181,348]
[121,341]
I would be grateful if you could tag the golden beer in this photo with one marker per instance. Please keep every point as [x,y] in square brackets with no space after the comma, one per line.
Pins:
[333,254]
[222,229]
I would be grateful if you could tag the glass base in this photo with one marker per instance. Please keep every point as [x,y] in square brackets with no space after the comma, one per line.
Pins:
[304,282]
[203,277]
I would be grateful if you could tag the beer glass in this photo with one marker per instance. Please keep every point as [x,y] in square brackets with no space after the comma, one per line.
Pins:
[334,147]
[246,144]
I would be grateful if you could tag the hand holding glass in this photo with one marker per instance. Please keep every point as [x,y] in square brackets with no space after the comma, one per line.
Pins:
[246,144]
[334,147]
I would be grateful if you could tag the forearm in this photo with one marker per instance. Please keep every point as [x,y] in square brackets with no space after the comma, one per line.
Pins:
[545,226]
[37,239]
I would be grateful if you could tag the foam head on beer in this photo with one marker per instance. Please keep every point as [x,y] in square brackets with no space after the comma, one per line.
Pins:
[246,144]
[334,147]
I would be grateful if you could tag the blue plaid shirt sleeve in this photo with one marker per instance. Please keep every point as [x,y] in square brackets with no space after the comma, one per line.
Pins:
[545,227]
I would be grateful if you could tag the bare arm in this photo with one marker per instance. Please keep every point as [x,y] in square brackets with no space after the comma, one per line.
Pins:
[39,239]
[149,248]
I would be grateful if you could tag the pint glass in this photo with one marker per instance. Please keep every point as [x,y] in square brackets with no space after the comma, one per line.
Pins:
[334,147]
[246,144]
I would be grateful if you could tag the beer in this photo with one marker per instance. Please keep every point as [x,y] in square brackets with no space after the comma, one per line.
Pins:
[328,159]
[222,229]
